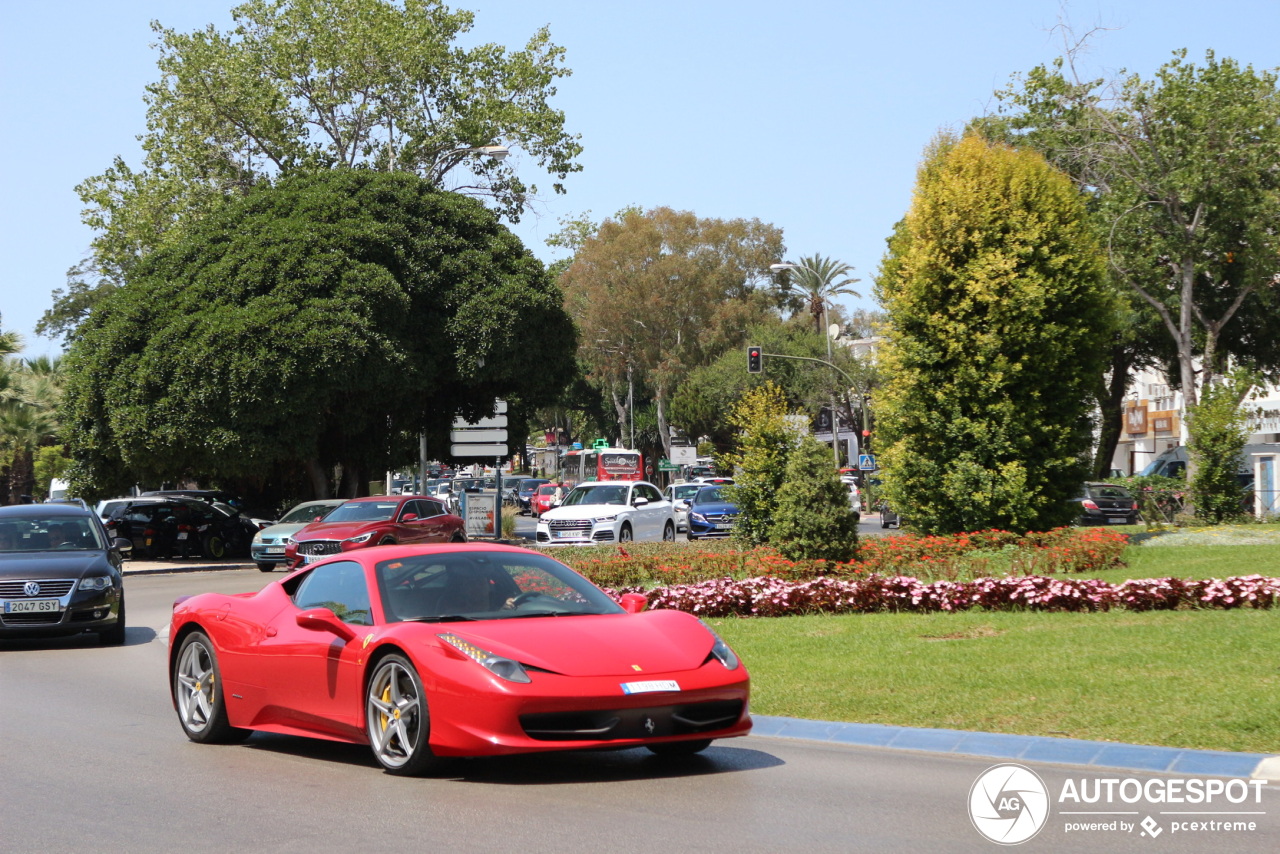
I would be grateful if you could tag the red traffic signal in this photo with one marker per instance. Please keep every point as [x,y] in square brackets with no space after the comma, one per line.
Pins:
[755,360]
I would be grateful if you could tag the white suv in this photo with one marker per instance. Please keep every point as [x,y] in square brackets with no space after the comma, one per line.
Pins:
[616,511]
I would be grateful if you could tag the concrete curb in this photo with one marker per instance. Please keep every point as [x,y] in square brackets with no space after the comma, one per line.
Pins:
[143,567]
[1063,751]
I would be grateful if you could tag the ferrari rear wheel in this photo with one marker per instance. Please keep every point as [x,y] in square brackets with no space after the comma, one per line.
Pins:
[197,685]
[397,720]
[680,748]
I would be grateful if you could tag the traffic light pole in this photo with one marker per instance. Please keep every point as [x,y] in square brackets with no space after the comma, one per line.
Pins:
[835,420]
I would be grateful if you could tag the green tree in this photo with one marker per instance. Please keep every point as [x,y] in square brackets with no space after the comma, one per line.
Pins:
[765,440]
[813,284]
[1181,169]
[813,519]
[992,285]
[30,390]
[307,84]
[656,294]
[323,321]
[1218,433]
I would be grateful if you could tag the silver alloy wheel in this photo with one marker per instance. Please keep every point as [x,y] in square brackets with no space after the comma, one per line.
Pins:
[394,714]
[669,533]
[197,687]
[624,534]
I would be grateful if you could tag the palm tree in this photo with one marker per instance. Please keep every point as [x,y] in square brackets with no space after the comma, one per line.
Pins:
[29,394]
[813,284]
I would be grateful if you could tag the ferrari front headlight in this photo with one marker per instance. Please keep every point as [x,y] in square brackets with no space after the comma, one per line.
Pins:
[504,668]
[721,650]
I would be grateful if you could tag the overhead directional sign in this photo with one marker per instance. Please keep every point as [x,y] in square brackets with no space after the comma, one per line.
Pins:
[478,450]
[478,436]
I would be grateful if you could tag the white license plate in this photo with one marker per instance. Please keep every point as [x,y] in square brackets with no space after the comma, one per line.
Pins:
[565,534]
[182,536]
[275,550]
[1117,520]
[311,558]
[650,687]
[724,526]
[33,606]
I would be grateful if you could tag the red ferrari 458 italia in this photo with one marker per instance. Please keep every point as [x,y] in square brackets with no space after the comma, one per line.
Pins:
[424,652]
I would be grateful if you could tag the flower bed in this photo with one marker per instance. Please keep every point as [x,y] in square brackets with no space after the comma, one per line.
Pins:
[776,597]
[963,557]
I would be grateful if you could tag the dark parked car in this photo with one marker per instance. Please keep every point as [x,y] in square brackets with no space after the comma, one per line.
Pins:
[59,573]
[1106,504]
[524,493]
[181,527]
[710,514]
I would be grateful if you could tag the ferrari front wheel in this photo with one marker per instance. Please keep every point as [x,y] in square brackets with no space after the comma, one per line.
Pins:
[397,720]
[197,686]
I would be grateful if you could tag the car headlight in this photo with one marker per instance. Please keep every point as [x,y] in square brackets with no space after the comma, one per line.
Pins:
[504,668]
[612,518]
[96,582]
[698,516]
[721,650]
[257,538]
[363,538]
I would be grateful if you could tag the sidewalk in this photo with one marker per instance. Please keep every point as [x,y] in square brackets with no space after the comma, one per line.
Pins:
[192,564]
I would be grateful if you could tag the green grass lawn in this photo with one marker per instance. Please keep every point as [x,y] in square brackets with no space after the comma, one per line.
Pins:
[1196,679]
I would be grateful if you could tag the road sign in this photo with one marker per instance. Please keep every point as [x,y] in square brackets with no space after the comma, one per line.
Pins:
[667,465]
[866,462]
[600,444]
[484,437]
[474,436]
[489,450]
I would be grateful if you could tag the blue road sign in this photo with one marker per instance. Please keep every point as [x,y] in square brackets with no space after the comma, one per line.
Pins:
[866,462]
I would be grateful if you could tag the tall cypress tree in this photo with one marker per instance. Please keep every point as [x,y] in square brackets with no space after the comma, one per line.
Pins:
[993,288]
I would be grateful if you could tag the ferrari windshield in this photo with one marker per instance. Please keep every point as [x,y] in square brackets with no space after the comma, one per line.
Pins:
[485,585]
[600,493]
[363,511]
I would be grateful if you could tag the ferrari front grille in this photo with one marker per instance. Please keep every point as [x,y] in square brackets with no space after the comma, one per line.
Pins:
[616,724]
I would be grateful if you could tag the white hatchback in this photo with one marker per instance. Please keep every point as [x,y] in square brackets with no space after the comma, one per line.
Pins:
[617,511]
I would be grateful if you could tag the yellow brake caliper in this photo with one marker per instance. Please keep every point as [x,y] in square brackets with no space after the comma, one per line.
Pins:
[382,716]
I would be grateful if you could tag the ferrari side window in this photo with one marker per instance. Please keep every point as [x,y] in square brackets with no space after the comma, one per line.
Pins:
[341,588]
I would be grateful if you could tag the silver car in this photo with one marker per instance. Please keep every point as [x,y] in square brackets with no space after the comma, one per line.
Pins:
[267,548]
[679,494]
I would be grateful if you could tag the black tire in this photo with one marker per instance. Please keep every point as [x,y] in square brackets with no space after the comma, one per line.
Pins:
[624,533]
[396,718]
[197,687]
[114,636]
[214,547]
[669,533]
[266,567]
[692,536]
[387,541]
[679,748]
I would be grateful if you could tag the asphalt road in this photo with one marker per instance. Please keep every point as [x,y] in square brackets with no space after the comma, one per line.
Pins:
[94,760]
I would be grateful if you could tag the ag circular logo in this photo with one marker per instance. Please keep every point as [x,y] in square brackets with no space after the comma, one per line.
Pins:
[1008,804]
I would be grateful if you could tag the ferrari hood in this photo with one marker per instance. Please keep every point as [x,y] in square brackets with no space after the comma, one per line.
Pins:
[604,645]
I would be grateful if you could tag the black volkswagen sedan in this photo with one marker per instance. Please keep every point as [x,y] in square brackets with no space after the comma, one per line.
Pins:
[59,574]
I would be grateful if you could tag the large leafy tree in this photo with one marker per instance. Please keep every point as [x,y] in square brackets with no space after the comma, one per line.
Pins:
[656,294]
[1182,171]
[321,322]
[29,393]
[997,319]
[307,84]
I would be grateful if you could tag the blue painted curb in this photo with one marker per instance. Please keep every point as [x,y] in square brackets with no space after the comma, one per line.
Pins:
[1064,751]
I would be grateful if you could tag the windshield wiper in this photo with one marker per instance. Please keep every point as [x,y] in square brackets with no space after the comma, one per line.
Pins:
[445,618]
[523,614]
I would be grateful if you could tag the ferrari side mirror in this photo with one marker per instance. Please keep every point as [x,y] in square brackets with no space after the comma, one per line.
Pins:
[324,620]
[633,603]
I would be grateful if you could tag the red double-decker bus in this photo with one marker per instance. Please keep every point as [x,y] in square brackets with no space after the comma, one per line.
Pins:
[601,464]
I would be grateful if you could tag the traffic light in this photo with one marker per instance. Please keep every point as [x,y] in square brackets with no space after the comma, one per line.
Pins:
[755,360]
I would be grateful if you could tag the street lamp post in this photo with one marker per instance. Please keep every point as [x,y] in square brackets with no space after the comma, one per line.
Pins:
[835,419]
[495,152]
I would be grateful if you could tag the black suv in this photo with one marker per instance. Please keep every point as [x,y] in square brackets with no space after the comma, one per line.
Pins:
[181,527]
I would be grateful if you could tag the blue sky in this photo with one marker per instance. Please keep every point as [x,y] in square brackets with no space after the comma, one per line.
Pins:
[808,115]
